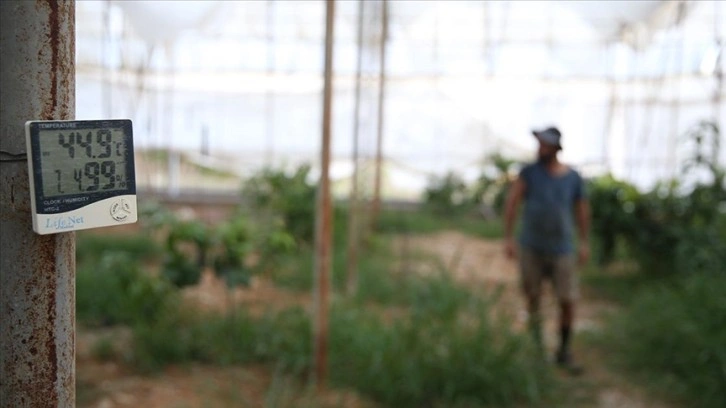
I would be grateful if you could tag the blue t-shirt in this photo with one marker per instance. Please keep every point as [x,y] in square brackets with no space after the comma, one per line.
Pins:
[547,222]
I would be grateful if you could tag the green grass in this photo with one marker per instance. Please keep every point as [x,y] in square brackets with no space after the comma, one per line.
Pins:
[618,287]
[185,336]
[671,334]
[435,360]
[411,361]
[440,348]
[422,222]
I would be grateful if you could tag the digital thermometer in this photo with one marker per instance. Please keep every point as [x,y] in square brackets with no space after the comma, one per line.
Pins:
[81,174]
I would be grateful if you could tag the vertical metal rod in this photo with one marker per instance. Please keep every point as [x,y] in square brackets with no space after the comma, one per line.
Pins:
[105,69]
[612,107]
[376,208]
[167,118]
[486,40]
[353,208]
[671,147]
[323,235]
[269,95]
[37,273]
[718,71]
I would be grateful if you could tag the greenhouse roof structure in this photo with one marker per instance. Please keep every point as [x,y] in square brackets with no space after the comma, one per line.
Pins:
[624,80]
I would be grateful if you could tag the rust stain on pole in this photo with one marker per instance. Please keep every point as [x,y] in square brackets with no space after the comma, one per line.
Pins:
[37,273]
[324,216]
[61,40]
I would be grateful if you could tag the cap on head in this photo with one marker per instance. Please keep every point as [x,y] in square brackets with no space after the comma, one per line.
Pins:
[550,135]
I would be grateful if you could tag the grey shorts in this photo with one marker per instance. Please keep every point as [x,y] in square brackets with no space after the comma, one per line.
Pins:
[560,269]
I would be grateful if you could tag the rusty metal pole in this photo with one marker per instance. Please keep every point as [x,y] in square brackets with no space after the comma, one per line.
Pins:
[37,273]
[376,208]
[324,221]
[353,202]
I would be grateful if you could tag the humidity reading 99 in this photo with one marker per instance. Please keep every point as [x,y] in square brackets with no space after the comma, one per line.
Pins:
[78,161]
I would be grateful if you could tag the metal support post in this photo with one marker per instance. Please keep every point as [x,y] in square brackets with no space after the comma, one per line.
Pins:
[37,272]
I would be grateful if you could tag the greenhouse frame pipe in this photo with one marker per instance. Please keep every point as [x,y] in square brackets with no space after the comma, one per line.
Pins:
[353,202]
[323,233]
[376,207]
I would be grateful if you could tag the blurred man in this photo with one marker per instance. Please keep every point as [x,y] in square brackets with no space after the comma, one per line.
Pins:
[554,197]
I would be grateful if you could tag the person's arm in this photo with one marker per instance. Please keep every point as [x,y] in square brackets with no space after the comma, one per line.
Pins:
[582,217]
[514,198]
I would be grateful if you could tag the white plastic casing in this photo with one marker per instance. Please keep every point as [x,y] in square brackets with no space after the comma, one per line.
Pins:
[112,211]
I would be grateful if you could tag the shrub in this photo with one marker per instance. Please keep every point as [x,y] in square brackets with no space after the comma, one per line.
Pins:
[116,291]
[683,230]
[493,184]
[187,245]
[446,195]
[612,205]
[234,239]
[667,230]
[291,197]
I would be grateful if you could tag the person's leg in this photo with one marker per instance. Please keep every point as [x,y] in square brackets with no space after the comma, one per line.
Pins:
[531,278]
[534,322]
[567,289]
[567,316]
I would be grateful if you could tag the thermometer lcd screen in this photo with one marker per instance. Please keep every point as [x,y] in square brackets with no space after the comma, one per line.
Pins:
[83,161]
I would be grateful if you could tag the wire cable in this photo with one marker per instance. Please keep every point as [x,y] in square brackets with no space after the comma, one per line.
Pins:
[6,156]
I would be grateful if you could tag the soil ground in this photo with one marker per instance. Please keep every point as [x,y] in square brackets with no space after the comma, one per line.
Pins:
[472,261]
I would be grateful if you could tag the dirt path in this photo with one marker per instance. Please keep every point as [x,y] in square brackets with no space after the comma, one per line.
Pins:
[478,262]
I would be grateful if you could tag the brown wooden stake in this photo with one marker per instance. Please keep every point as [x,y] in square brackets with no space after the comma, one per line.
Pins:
[353,233]
[376,207]
[323,246]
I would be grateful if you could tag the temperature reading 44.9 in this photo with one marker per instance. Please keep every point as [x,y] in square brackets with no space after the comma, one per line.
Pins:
[83,161]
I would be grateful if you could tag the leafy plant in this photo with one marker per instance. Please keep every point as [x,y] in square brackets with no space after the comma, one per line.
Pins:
[612,203]
[446,195]
[290,197]
[684,228]
[234,239]
[115,290]
[187,245]
[494,181]
[275,243]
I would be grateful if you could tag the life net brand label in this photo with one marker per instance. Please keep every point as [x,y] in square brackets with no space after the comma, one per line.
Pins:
[103,213]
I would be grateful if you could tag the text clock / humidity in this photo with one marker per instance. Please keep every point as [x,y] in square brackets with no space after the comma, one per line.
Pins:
[81,174]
